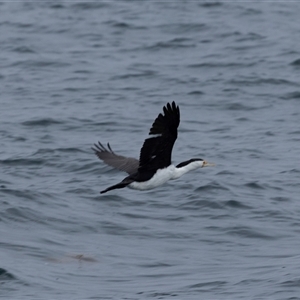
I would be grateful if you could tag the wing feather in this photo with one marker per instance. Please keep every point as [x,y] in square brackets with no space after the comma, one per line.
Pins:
[127,164]
[157,151]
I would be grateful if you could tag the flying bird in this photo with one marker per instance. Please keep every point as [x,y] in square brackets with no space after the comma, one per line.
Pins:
[154,167]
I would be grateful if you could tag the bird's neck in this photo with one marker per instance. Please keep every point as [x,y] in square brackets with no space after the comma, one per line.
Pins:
[178,172]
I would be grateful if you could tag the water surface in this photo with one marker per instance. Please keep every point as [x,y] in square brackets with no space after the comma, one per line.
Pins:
[73,73]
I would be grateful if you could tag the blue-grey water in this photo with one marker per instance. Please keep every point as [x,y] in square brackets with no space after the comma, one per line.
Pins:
[73,73]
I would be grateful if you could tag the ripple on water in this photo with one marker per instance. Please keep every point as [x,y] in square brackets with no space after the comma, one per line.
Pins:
[5,275]
[248,232]
[42,122]
[296,62]
[254,185]
[22,162]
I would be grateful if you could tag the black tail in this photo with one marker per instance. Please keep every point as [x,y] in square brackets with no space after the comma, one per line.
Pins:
[120,185]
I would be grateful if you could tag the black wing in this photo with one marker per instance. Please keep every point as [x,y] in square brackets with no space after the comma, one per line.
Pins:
[127,164]
[156,151]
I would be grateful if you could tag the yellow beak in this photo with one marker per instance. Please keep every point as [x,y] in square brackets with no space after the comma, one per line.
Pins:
[207,164]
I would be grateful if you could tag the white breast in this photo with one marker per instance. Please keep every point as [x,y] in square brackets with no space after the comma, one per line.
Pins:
[159,178]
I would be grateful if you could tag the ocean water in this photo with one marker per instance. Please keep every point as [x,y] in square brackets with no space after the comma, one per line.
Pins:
[73,73]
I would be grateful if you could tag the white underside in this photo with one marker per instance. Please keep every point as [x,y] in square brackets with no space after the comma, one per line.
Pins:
[159,178]
[164,175]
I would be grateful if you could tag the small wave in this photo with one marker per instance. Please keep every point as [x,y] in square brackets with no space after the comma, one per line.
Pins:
[236,204]
[42,122]
[146,73]
[183,28]
[63,150]
[161,295]
[250,37]
[174,44]
[296,132]
[296,62]
[211,4]
[5,275]
[22,162]
[71,258]
[90,5]
[262,81]
[239,106]
[29,63]
[254,185]
[211,187]
[292,171]
[225,172]
[75,89]
[249,233]
[200,204]
[56,5]
[292,95]
[124,25]
[23,214]
[119,24]
[80,191]
[27,194]
[280,199]
[207,284]
[242,119]
[23,49]
[221,65]
[196,92]
[292,284]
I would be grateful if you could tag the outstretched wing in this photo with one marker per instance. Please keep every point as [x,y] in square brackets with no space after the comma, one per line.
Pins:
[127,164]
[156,151]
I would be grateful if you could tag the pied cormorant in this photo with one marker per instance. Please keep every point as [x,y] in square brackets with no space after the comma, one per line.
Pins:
[154,166]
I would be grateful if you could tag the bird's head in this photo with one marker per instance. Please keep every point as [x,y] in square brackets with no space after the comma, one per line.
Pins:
[195,163]
[190,165]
